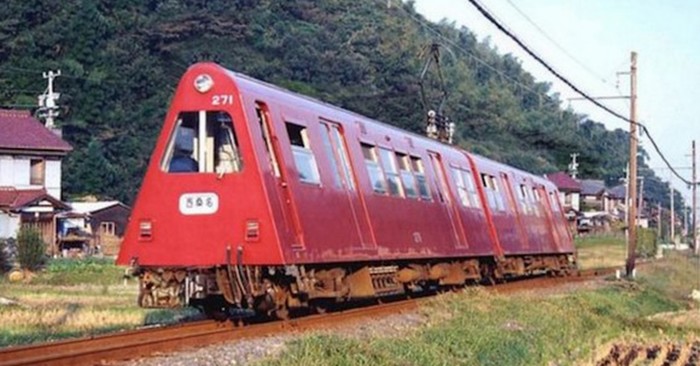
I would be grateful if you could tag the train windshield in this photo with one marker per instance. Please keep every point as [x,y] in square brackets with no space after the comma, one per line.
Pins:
[203,142]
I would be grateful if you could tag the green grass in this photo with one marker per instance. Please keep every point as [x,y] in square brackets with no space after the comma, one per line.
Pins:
[72,298]
[480,328]
[589,241]
[600,251]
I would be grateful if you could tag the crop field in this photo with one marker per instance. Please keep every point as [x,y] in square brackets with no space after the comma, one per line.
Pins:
[72,298]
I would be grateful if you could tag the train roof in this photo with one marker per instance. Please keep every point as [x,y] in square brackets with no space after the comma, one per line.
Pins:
[248,82]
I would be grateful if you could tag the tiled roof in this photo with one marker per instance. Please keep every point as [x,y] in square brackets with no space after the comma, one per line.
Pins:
[564,182]
[13,199]
[592,187]
[618,191]
[19,130]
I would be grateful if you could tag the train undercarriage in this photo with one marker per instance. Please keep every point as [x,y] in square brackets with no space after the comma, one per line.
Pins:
[275,290]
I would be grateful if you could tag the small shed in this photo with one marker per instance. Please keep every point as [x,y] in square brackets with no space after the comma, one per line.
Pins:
[106,220]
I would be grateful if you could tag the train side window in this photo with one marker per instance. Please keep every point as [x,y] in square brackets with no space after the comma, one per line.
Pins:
[554,202]
[522,198]
[376,177]
[462,192]
[203,142]
[495,200]
[328,148]
[392,174]
[303,155]
[471,187]
[407,178]
[535,200]
[339,145]
[264,120]
[419,172]
[466,189]
[498,194]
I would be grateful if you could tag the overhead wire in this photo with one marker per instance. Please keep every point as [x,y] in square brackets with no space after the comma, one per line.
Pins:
[556,44]
[470,54]
[559,76]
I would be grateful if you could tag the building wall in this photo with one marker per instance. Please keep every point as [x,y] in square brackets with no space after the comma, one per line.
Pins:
[117,214]
[576,201]
[52,178]
[9,224]
[20,172]
[15,171]
[6,171]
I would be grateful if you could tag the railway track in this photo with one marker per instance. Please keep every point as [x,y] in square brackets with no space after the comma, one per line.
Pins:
[144,342]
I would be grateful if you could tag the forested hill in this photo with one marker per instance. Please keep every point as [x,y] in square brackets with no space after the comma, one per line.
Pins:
[121,60]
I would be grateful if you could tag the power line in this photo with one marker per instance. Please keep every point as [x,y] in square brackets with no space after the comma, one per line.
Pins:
[559,76]
[467,52]
[556,44]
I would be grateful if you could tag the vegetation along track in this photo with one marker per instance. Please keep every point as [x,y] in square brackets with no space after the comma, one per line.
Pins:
[681,354]
[143,342]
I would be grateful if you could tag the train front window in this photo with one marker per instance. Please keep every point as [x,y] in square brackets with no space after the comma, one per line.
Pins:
[203,142]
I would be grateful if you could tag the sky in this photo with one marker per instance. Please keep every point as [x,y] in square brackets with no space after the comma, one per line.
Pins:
[589,41]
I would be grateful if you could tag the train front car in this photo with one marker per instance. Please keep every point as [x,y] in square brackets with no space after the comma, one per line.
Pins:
[201,203]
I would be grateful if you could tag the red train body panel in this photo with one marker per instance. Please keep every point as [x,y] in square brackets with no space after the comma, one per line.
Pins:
[248,174]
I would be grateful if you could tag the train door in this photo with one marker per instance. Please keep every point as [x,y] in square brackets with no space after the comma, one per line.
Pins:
[522,230]
[445,197]
[542,196]
[286,201]
[336,149]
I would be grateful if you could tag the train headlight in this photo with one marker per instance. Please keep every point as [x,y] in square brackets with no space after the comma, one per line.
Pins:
[145,229]
[203,83]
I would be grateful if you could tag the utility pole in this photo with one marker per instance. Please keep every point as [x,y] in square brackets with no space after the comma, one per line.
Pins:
[48,108]
[640,202]
[673,210]
[658,220]
[573,166]
[632,223]
[695,207]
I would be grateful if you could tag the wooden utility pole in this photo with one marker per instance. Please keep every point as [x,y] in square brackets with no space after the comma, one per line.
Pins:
[632,218]
[673,209]
[695,207]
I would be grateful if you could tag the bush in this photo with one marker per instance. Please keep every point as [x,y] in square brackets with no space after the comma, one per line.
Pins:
[646,242]
[30,249]
[6,245]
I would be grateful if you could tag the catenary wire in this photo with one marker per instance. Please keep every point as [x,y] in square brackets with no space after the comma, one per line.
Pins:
[559,76]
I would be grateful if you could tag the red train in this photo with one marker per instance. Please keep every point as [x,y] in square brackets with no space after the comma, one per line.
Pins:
[256,197]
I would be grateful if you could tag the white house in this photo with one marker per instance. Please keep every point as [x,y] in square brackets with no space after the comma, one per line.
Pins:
[30,174]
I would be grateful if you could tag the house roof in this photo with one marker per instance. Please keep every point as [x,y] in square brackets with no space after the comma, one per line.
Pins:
[14,199]
[20,131]
[90,207]
[592,187]
[564,182]
[619,191]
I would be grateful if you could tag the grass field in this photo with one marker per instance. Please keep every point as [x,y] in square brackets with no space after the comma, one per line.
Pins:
[601,251]
[72,298]
[481,328]
[77,298]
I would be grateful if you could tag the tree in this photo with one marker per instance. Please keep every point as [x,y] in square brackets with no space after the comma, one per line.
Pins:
[31,249]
